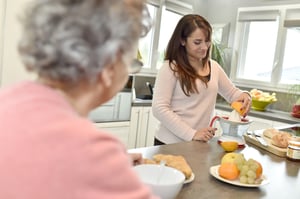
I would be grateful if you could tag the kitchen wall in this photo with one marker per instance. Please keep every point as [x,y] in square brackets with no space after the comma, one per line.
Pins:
[2,10]
[225,12]
[11,67]
[216,11]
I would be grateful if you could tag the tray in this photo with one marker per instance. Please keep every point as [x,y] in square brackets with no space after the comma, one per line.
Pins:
[292,128]
[270,148]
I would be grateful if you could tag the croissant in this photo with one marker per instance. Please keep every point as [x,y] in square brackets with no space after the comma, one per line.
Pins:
[177,162]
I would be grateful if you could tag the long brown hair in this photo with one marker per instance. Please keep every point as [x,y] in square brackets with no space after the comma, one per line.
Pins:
[177,55]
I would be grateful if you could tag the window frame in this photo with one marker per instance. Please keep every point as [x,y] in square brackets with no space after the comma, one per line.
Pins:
[239,49]
[177,6]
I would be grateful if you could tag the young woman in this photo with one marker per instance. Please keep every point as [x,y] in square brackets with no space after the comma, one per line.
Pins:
[187,85]
[81,51]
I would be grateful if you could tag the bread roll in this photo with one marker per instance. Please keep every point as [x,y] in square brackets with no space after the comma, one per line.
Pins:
[270,132]
[281,139]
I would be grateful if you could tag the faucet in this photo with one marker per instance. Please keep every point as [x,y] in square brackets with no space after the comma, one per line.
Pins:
[150,88]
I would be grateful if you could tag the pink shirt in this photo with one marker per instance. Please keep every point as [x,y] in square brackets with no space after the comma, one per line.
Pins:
[47,151]
[181,116]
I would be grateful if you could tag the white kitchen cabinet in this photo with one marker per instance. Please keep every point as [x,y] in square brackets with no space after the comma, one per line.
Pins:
[118,129]
[142,127]
[12,69]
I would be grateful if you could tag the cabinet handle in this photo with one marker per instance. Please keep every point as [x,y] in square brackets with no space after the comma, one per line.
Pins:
[138,113]
[147,127]
[117,107]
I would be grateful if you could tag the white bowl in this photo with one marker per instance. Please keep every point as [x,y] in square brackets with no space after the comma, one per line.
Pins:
[164,181]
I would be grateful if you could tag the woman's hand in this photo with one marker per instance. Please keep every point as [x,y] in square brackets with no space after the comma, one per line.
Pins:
[245,98]
[205,134]
[136,158]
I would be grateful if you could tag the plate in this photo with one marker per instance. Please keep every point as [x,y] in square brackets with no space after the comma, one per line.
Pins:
[191,179]
[214,172]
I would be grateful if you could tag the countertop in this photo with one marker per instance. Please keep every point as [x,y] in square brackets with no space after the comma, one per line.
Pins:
[284,175]
[274,115]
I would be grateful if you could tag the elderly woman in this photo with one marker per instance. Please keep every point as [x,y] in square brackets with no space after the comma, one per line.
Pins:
[82,52]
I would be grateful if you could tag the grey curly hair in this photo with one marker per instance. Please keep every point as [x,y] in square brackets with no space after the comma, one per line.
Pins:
[71,40]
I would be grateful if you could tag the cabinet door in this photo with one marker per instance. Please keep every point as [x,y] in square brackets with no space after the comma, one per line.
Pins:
[118,129]
[142,127]
[135,126]
[151,126]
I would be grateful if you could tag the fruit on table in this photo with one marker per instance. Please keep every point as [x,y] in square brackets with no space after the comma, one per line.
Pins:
[232,157]
[237,106]
[259,170]
[229,171]
[263,96]
[250,171]
[296,108]
[229,146]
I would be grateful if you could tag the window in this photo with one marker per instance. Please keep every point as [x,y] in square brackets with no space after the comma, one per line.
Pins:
[168,23]
[258,56]
[267,41]
[291,61]
[145,42]
[165,14]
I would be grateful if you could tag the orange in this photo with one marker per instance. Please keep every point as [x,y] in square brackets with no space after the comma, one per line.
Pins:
[259,170]
[229,171]
[237,106]
[229,146]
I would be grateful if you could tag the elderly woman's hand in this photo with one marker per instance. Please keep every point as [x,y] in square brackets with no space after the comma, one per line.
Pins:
[246,99]
[136,158]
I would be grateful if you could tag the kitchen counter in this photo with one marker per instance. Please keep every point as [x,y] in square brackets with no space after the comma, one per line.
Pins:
[141,102]
[273,115]
[284,175]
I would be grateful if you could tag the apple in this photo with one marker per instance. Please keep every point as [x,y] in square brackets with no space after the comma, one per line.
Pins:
[296,109]
[237,158]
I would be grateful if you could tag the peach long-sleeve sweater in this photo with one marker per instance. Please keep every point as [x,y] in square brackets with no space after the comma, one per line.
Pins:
[47,151]
[181,116]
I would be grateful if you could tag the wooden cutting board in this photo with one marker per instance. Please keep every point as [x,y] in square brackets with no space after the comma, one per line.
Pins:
[270,148]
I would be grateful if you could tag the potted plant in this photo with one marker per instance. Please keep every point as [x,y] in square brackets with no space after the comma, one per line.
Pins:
[220,54]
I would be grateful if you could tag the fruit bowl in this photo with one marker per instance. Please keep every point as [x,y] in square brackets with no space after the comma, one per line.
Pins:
[259,105]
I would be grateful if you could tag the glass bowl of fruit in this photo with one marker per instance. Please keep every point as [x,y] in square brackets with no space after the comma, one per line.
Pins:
[261,99]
